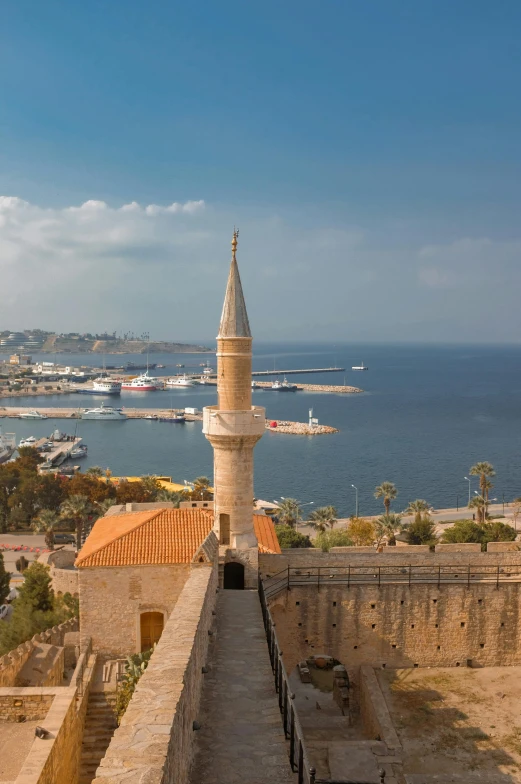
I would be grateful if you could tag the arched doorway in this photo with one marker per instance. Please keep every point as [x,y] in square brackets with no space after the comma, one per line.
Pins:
[234,576]
[151,624]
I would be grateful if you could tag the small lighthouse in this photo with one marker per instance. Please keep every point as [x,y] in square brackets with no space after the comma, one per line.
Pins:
[233,427]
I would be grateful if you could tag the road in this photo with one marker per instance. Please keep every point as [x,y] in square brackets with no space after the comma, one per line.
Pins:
[25,539]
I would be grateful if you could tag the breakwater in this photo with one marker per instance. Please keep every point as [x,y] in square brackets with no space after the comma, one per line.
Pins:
[299,428]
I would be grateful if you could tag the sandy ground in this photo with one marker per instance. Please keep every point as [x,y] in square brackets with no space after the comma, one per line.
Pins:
[452,721]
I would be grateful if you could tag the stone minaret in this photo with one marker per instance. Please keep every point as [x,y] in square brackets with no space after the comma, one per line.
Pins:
[233,427]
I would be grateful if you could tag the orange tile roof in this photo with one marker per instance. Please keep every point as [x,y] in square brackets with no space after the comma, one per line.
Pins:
[164,536]
[265,533]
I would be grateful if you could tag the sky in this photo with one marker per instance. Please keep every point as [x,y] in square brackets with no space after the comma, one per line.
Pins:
[369,153]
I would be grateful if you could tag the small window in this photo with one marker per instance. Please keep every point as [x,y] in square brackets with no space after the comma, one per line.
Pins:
[434,601]
[393,645]
[439,648]
[334,626]
[482,645]
[462,624]
[402,602]
[373,626]
[373,606]
[355,647]
[297,603]
[334,604]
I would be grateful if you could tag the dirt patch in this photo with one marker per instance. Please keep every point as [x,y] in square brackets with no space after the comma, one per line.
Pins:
[15,743]
[456,721]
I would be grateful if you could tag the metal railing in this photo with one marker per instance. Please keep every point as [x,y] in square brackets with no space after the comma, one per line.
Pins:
[397,574]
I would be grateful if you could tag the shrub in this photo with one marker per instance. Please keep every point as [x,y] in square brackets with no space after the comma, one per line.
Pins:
[328,539]
[5,577]
[361,532]
[422,531]
[21,564]
[480,533]
[135,666]
[289,538]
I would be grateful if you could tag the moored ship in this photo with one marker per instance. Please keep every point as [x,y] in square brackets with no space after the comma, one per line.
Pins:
[104,413]
[142,383]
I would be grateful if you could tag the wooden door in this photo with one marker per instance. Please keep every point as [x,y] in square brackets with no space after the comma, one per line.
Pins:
[151,629]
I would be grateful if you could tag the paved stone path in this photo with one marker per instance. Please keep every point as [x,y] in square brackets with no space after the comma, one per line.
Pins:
[241,740]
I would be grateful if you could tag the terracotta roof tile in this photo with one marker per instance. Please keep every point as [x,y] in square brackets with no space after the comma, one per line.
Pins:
[265,533]
[164,536]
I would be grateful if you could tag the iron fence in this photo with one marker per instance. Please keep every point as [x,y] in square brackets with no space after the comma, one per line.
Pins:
[399,574]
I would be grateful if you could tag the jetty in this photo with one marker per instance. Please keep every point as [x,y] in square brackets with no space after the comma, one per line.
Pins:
[297,372]
[60,450]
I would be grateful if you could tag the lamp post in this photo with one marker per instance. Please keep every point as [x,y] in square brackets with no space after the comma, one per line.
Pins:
[356,500]
[468,480]
[457,503]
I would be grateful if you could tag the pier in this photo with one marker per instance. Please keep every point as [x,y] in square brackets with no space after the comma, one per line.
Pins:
[295,372]
[60,450]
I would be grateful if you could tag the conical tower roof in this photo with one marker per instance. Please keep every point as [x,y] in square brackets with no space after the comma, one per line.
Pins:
[234,319]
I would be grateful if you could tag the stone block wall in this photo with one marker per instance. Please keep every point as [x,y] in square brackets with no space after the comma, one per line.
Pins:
[19,704]
[112,599]
[374,711]
[12,662]
[155,740]
[400,625]
[65,581]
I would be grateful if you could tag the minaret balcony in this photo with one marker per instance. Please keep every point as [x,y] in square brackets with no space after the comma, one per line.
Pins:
[234,423]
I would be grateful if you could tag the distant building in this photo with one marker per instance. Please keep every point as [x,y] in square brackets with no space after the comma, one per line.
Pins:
[20,359]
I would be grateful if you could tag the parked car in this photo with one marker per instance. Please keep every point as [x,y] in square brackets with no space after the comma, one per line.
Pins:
[5,612]
[64,539]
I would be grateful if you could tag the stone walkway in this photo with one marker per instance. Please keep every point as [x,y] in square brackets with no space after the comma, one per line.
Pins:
[241,740]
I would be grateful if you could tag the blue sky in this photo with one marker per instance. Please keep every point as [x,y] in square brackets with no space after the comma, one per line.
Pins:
[368,151]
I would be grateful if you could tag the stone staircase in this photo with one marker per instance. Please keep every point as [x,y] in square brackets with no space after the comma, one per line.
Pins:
[100,723]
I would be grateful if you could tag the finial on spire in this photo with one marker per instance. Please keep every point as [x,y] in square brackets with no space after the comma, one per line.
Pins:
[234,241]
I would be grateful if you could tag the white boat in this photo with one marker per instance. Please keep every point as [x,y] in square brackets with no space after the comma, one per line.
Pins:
[360,367]
[104,413]
[283,386]
[30,441]
[208,371]
[7,446]
[142,383]
[254,385]
[180,381]
[79,451]
[104,386]
[33,414]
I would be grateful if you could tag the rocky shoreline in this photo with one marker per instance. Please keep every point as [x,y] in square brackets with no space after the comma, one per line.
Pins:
[299,428]
[328,388]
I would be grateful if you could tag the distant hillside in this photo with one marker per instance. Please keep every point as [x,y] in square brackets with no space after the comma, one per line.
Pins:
[79,345]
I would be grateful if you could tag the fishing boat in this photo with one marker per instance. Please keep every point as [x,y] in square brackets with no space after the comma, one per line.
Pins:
[283,386]
[142,383]
[32,414]
[254,385]
[180,381]
[174,419]
[360,367]
[104,413]
[151,417]
[7,446]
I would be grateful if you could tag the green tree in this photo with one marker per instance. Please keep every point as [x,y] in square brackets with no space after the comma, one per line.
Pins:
[484,470]
[463,531]
[479,504]
[337,538]
[21,564]
[361,531]
[497,532]
[418,508]
[151,486]
[289,512]
[386,527]
[5,578]
[289,538]
[422,531]
[387,491]
[46,521]
[76,508]
[324,517]
[95,471]
[36,588]
[170,496]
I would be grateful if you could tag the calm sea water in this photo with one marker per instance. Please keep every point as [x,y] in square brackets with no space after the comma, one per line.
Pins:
[426,415]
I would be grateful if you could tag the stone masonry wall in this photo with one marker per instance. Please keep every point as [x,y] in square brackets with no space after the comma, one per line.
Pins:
[12,662]
[65,581]
[401,626]
[30,704]
[112,598]
[155,740]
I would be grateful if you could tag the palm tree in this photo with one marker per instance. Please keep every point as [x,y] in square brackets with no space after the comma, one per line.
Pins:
[387,491]
[151,486]
[484,470]
[95,471]
[323,517]
[105,505]
[386,527]
[289,512]
[480,505]
[170,496]
[76,508]
[201,488]
[46,521]
[417,508]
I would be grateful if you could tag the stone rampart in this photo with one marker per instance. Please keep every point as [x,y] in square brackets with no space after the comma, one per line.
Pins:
[397,625]
[354,556]
[155,740]
[374,711]
[25,704]
[11,663]
[65,581]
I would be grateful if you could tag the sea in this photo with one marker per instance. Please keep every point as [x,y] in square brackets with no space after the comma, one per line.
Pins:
[425,416]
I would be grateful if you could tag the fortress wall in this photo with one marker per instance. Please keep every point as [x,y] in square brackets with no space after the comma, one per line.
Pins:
[358,556]
[112,598]
[155,740]
[65,581]
[401,626]
[11,663]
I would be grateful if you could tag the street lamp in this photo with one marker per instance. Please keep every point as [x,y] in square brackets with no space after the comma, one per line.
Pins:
[468,480]
[356,500]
